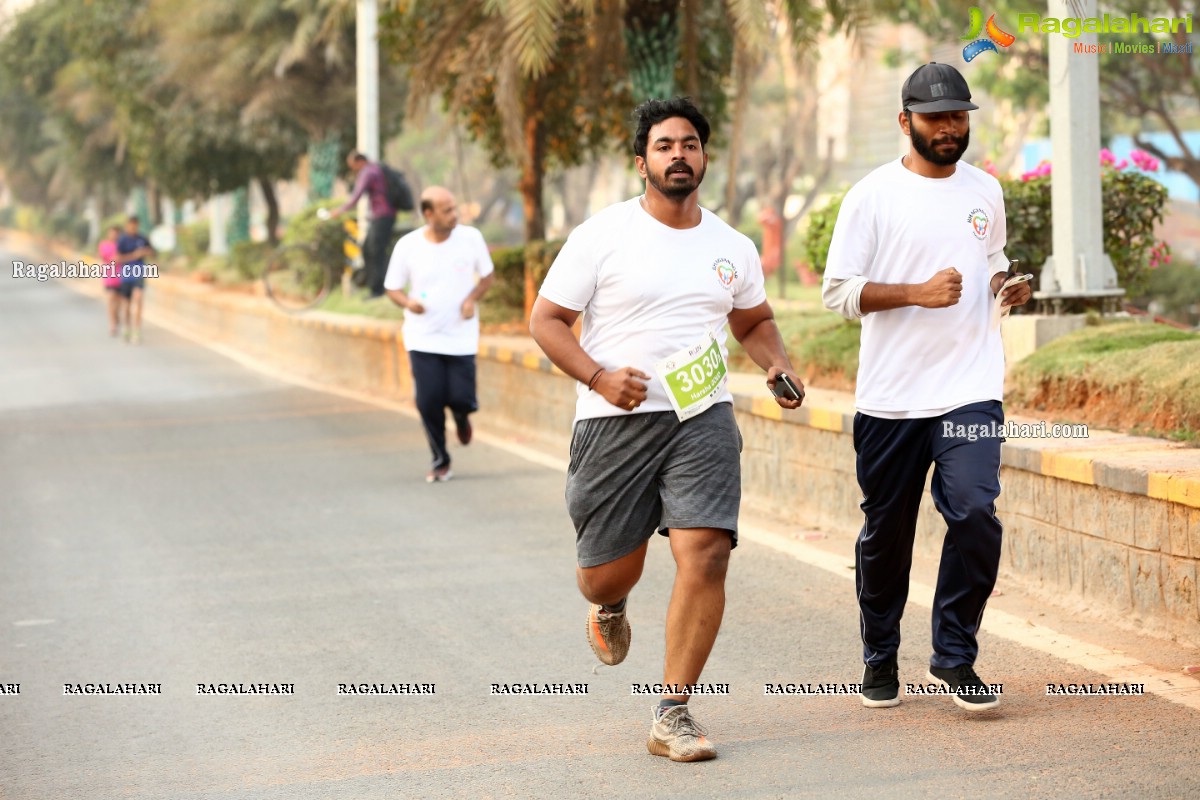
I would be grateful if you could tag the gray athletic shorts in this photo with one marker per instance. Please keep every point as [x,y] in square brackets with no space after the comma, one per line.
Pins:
[636,473]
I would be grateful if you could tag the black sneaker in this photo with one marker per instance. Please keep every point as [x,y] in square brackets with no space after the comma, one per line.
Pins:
[881,685]
[969,692]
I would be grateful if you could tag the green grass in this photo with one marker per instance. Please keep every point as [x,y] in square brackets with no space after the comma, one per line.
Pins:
[356,303]
[795,295]
[831,350]
[1075,354]
[1141,376]
[820,343]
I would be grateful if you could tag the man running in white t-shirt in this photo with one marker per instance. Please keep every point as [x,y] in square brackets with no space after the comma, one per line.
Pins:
[918,254]
[655,444]
[437,274]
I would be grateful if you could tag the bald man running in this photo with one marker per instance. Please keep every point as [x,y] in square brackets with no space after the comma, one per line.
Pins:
[436,274]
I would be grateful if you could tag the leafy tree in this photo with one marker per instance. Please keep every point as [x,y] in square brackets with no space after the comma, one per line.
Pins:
[60,137]
[189,100]
[552,112]
[528,74]
[283,70]
[1137,93]
[1159,90]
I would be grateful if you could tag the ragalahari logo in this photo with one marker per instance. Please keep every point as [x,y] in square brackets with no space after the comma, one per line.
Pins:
[995,36]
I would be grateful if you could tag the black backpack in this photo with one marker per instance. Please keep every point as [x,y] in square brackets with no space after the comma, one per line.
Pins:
[399,194]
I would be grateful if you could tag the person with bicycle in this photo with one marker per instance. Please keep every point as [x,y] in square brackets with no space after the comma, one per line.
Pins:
[437,274]
[369,178]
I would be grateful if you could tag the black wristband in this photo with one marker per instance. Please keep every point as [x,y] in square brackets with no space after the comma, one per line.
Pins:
[595,375]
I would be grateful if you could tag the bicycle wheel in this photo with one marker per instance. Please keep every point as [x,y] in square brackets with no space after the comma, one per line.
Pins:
[296,278]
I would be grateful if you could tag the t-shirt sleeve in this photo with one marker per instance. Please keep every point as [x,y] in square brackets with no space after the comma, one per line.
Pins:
[752,291]
[571,281]
[397,270]
[483,260]
[998,235]
[853,245]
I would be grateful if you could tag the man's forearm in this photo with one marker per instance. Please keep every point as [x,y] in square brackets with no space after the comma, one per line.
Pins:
[764,344]
[562,348]
[885,296]
[398,296]
[481,288]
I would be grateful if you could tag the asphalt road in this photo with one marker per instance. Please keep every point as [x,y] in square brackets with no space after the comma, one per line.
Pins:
[171,518]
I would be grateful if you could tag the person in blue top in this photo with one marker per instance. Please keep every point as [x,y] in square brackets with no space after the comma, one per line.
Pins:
[132,249]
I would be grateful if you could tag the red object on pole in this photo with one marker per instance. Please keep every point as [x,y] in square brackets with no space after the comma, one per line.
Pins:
[772,225]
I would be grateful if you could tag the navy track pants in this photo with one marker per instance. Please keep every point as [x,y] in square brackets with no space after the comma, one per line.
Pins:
[442,381]
[894,456]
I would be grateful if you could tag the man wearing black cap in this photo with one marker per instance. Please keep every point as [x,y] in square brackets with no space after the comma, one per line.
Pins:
[918,254]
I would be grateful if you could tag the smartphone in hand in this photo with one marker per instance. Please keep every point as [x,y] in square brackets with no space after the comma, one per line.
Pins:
[785,387]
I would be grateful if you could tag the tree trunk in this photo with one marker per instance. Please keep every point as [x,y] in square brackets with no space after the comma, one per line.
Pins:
[533,171]
[691,48]
[743,65]
[153,204]
[494,196]
[533,175]
[269,197]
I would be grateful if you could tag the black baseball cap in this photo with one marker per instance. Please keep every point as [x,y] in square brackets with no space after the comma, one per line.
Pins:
[936,87]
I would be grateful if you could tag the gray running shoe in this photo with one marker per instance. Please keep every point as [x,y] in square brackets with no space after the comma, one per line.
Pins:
[679,737]
[609,635]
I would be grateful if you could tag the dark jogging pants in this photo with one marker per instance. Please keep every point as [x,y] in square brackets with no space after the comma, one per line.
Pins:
[375,251]
[442,381]
[894,456]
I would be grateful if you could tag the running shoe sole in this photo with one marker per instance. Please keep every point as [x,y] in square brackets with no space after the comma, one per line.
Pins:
[658,748]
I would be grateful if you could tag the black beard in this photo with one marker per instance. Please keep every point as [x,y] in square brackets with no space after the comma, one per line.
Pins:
[675,191]
[924,148]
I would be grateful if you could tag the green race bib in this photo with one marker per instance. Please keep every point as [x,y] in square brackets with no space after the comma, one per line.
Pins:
[694,377]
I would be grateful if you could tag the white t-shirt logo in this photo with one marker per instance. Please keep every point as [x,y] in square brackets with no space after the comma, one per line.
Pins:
[726,272]
[979,223]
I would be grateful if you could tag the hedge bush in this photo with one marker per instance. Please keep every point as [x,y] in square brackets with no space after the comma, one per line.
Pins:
[508,289]
[249,259]
[326,235]
[539,255]
[191,240]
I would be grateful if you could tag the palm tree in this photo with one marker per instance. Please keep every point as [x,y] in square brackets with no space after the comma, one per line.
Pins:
[528,112]
[493,61]
[277,60]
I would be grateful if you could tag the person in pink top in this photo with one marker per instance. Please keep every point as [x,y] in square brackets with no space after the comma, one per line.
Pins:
[107,251]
